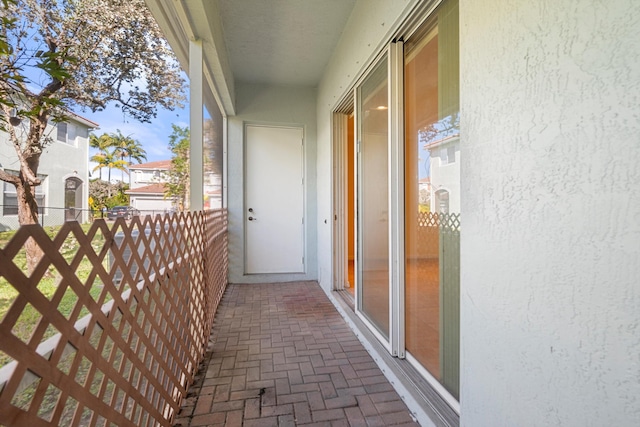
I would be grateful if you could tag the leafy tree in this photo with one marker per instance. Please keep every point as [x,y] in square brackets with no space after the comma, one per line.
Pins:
[177,186]
[8,76]
[83,53]
[104,194]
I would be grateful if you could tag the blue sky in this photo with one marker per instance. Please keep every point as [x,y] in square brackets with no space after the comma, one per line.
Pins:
[153,136]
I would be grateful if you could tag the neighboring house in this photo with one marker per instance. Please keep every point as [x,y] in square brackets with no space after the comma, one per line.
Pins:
[212,190]
[146,187]
[530,316]
[445,174]
[424,192]
[64,170]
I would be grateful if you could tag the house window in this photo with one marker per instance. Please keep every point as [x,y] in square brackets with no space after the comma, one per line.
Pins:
[62,132]
[10,202]
[82,132]
[444,156]
[66,133]
[447,155]
[71,134]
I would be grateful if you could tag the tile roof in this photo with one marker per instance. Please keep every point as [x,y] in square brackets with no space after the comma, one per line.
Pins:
[148,189]
[159,164]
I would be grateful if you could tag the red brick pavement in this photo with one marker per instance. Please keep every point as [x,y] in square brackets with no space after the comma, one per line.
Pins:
[281,355]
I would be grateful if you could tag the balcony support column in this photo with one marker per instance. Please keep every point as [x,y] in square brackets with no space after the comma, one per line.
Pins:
[196,126]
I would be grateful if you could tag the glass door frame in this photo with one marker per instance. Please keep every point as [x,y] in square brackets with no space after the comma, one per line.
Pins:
[396,344]
[394,53]
[383,56]
[397,236]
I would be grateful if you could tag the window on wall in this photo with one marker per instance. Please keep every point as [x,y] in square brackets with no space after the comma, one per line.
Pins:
[62,132]
[10,198]
[213,148]
[66,133]
[432,221]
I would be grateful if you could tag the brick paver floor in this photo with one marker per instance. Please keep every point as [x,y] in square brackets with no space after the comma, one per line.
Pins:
[281,355]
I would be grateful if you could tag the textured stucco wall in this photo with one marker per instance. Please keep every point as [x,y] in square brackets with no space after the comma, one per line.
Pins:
[550,293]
[270,105]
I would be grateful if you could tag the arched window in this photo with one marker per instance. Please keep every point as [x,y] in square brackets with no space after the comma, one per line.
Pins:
[442,201]
[73,198]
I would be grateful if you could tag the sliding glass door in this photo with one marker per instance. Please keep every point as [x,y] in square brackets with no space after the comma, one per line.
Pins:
[408,199]
[373,199]
[432,197]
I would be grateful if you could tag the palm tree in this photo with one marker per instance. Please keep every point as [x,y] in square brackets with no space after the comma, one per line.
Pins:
[125,146]
[102,143]
[109,159]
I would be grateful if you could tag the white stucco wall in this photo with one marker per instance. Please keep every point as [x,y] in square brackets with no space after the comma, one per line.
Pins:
[272,105]
[151,205]
[58,162]
[61,161]
[143,177]
[550,213]
[446,177]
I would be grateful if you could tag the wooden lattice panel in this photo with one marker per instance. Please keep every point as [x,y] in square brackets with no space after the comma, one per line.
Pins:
[438,219]
[115,343]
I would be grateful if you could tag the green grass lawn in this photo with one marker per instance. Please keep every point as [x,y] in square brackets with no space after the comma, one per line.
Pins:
[48,285]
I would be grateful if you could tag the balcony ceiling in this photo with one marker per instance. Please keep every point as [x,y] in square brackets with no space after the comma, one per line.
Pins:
[279,42]
[284,42]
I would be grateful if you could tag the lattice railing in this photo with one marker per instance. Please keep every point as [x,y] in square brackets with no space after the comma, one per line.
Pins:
[109,328]
[438,219]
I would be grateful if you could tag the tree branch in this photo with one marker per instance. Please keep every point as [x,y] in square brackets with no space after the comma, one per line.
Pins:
[24,166]
[8,177]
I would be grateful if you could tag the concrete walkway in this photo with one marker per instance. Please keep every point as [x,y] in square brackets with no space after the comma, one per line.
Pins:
[281,355]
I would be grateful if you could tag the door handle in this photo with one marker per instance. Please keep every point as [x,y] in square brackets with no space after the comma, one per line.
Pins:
[252,218]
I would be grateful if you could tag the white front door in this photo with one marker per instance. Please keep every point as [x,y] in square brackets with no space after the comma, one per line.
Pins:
[274,200]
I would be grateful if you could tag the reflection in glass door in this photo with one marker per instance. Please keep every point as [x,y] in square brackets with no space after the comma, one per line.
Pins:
[408,200]
[432,197]
[373,199]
